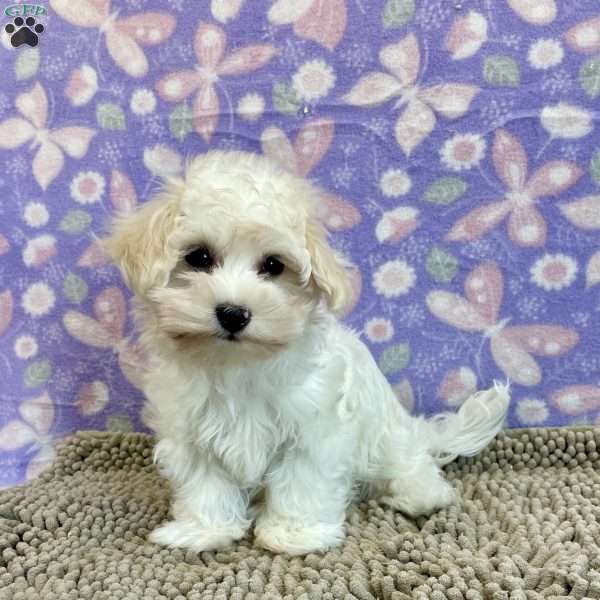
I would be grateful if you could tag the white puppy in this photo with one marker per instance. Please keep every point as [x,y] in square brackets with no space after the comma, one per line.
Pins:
[264,405]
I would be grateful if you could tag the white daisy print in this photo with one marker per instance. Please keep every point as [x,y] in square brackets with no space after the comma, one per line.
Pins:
[531,411]
[87,187]
[394,278]
[35,214]
[143,102]
[251,107]
[313,80]
[26,347]
[394,183]
[554,272]
[545,53]
[379,330]
[38,300]
[463,151]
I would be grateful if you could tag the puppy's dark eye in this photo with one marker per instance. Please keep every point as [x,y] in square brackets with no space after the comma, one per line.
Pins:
[200,259]
[272,266]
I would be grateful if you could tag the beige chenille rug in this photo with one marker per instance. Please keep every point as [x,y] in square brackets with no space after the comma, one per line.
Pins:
[528,528]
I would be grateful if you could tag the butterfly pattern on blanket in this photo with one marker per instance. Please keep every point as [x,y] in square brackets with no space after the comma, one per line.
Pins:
[456,144]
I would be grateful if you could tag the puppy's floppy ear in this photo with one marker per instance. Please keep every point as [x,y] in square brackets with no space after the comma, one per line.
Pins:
[328,273]
[138,242]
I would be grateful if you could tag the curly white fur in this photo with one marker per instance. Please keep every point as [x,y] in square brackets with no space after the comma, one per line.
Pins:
[279,423]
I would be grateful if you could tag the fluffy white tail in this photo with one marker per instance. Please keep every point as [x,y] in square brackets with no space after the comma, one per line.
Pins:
[471,428]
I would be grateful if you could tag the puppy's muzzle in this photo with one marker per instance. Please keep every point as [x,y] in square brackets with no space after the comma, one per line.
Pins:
[232,318]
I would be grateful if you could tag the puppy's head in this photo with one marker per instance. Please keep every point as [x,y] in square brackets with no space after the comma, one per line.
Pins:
[229,261]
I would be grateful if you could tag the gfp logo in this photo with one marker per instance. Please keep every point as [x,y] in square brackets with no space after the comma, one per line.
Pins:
[25,10]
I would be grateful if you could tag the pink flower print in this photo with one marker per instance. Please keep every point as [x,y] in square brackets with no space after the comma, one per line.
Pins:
[379,330]
[526,226]
[554,271]
[209,45]
[124,37]
[419,104]
[50,143]
[512,347]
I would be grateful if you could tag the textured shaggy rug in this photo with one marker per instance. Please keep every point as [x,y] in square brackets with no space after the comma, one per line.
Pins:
[529,528]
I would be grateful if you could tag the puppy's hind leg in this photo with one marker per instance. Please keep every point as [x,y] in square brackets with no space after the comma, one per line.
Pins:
[414,449]
[410,480]
[419,490]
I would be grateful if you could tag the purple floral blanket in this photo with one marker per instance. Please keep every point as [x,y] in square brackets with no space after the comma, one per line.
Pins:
[457,142]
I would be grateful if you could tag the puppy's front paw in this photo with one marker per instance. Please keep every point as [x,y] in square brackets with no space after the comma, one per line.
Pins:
[282,535]
[189,534]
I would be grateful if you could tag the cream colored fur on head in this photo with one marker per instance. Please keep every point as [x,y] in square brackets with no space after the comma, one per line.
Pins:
[242,208]
[266,408]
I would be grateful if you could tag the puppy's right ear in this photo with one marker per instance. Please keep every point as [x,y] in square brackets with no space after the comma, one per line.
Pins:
[328,273]
[138,242]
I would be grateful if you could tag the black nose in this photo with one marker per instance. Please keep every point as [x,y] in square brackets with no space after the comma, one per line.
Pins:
[232,318]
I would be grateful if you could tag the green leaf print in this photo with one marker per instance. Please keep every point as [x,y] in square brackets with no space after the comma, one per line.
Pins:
[110,116]
[445,190]
[75,221]
[589,77]
[285,99]
[501,71]
[75,288]
[397,13]
[395,358]
[38,373]
[441,265]
[181,122]
[595,167]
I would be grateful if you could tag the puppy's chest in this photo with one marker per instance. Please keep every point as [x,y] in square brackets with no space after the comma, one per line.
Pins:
[244,432]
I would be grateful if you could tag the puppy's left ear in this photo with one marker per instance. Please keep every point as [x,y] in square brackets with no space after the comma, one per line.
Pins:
[328,273]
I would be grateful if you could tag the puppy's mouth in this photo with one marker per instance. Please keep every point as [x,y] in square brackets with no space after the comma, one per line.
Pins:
[230,337]
[251,341]
[239,339]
